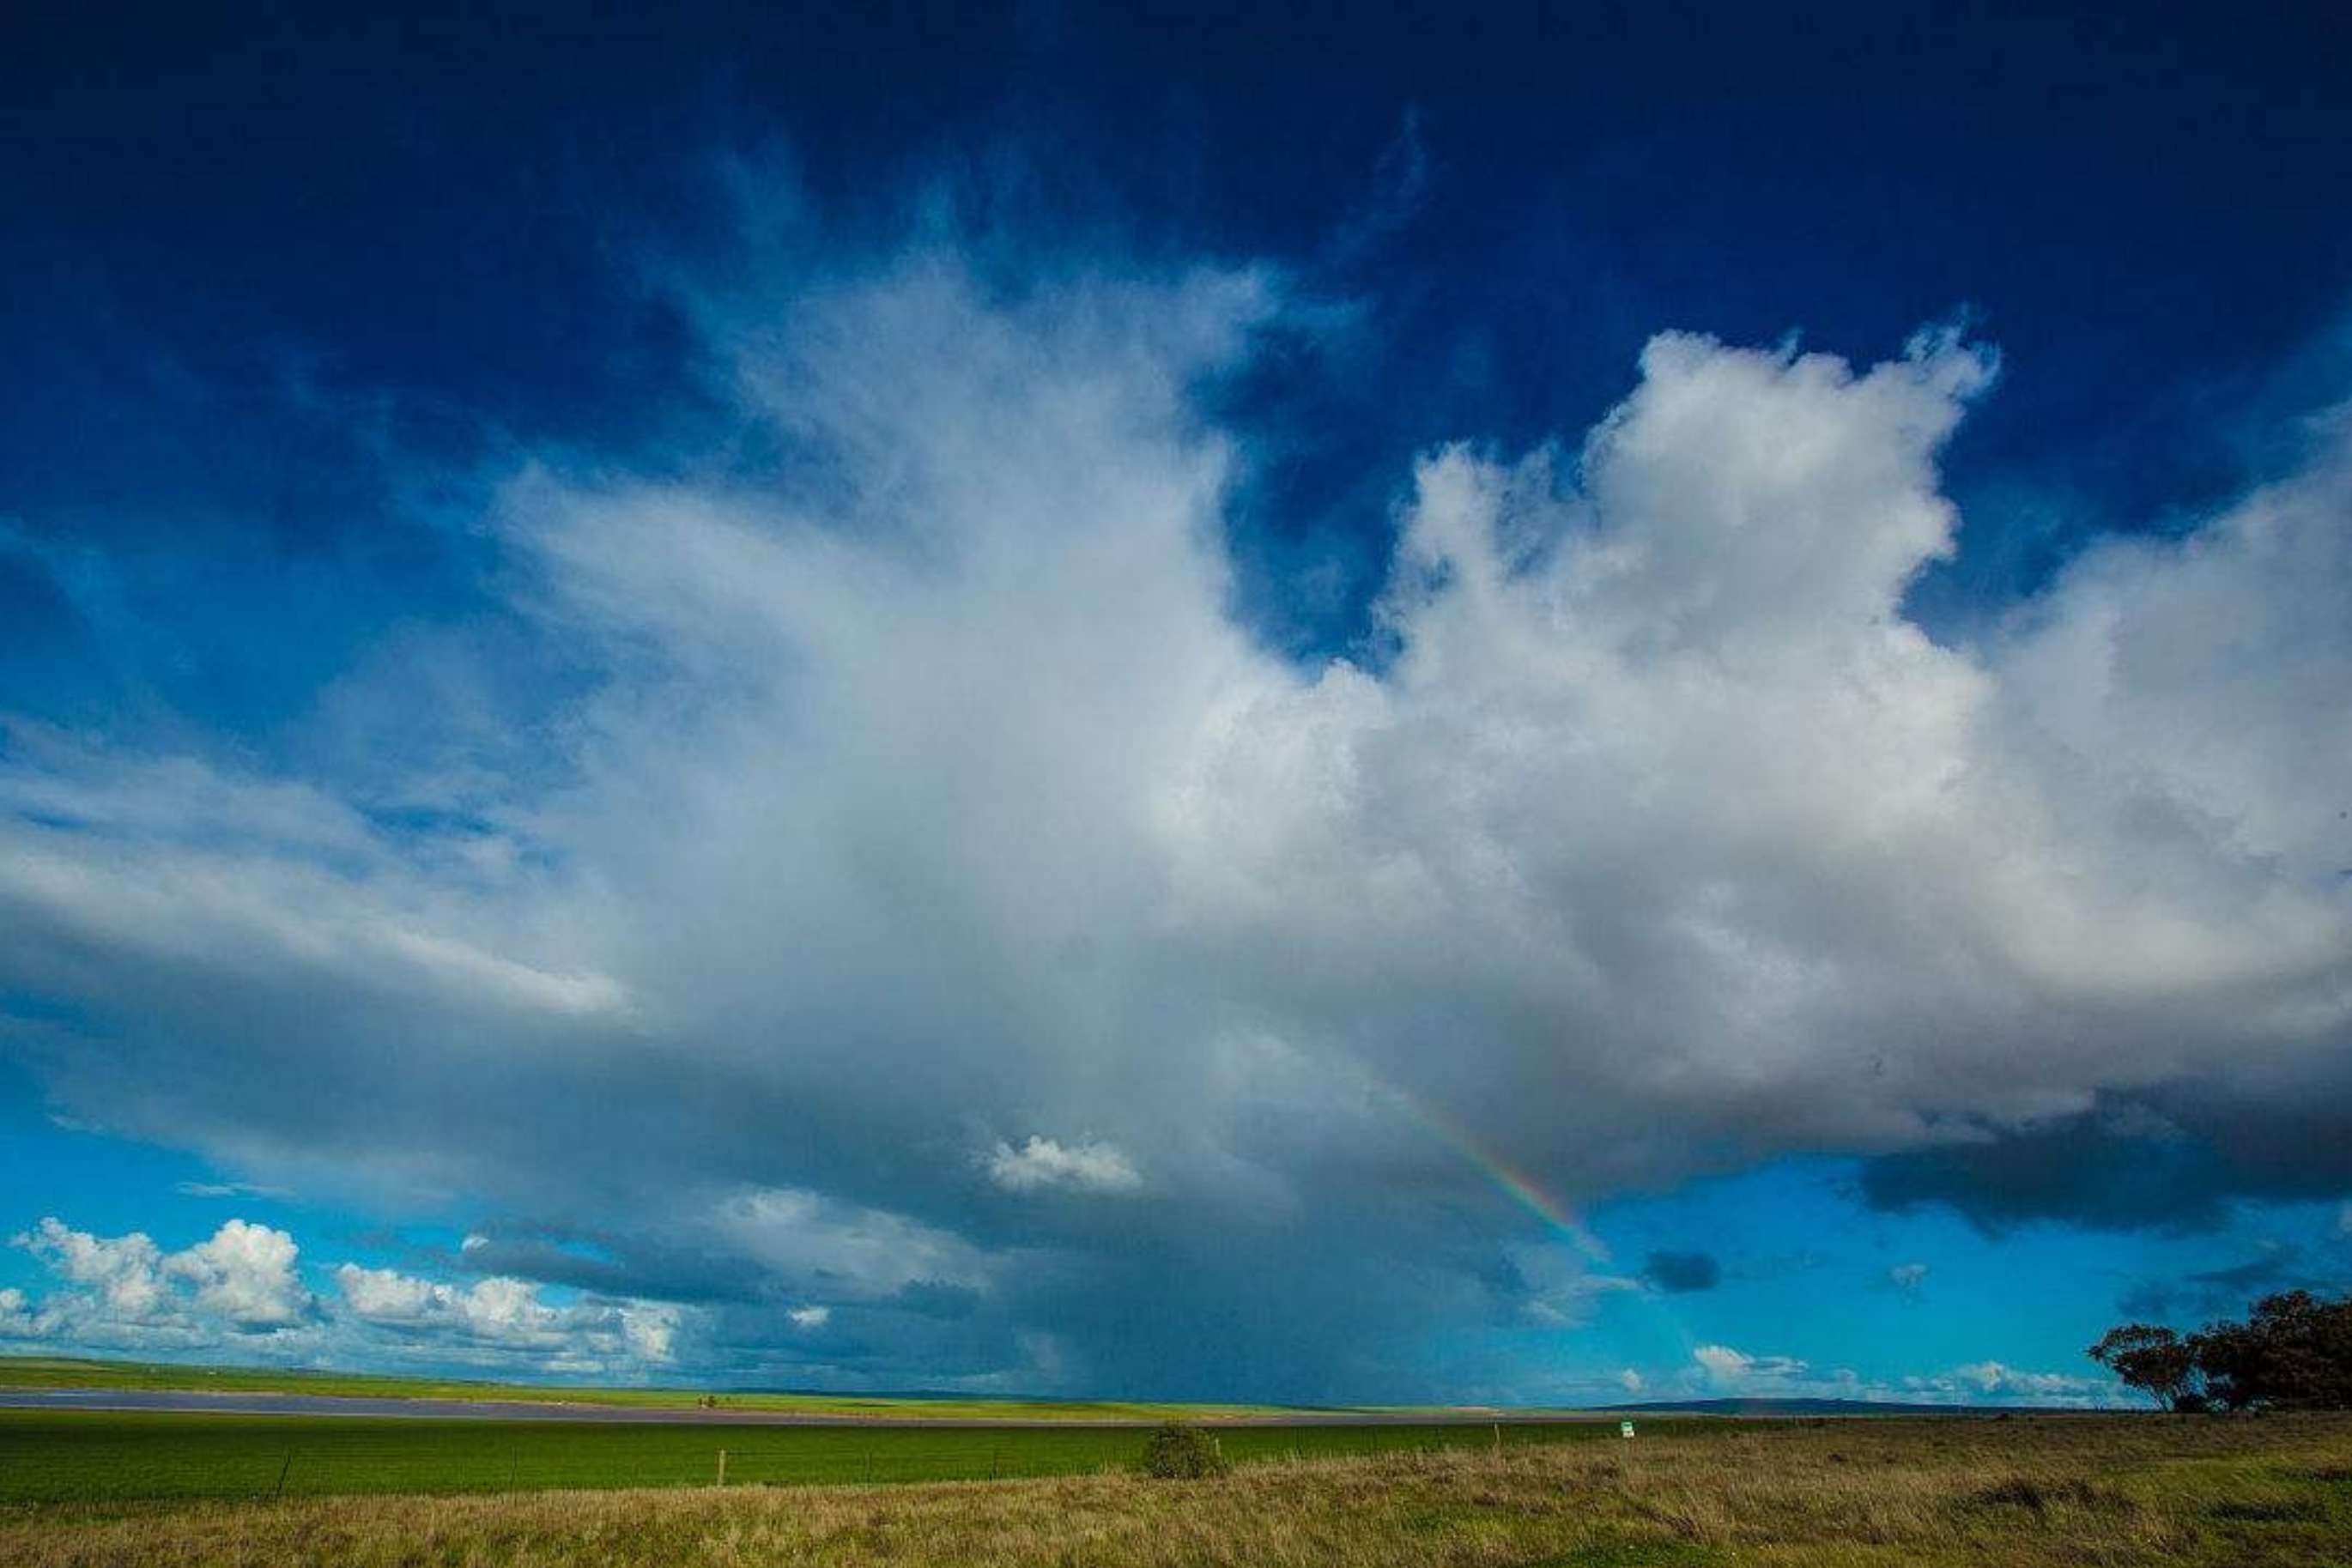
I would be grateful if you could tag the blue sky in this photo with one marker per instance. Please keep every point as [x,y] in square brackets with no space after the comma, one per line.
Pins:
[1382,706]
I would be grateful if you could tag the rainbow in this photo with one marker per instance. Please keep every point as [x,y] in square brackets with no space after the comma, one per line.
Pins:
[1514,1182]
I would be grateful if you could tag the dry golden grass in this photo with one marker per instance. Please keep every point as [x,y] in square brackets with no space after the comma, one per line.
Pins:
[2072,1491]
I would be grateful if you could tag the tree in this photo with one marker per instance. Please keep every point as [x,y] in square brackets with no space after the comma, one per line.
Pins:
[2293,1353]
[2150,1358]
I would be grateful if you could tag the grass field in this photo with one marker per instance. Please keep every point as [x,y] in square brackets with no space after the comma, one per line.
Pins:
[2111,1490]
[50,1456]
[63,1371]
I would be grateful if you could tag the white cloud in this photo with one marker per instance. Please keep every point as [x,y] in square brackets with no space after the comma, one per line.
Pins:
[1738,1369]
[239,1292]
[506,1318]
[1907,1277]
[126,1290]
[1042,1163]
[810,1317]
[122,1275]
[1722,1361]
[1529,820]
[1780,1377]
[494,1308]
[246,1275]
[1995,1381]
[1631,1380]
[1993,1377]
[649,1330]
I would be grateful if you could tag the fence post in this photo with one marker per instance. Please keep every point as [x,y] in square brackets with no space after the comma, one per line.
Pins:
[722,1466]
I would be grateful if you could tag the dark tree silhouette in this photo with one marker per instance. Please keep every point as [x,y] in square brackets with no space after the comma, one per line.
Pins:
[2293,1353]
[2150,1358]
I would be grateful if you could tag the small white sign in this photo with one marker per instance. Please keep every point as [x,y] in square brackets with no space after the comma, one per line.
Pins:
[1624,1428]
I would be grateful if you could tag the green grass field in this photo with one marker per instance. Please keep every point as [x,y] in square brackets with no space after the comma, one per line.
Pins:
[81,1489]
[60,1372]
[97,1456]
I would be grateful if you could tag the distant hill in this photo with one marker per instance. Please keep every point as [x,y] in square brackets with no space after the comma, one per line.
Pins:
[1806,1407]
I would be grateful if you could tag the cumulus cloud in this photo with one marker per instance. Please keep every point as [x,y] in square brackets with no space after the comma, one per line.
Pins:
[126,1290]
[1907,1278]
[1702,650]
[497,1318]
[121,1276]
[240,1292]
[846,812]
[1042,1163]
[245,1274]
[1992,1380]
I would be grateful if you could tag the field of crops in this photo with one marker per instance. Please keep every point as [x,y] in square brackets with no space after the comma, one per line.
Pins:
[2149,1492]
[78,1455]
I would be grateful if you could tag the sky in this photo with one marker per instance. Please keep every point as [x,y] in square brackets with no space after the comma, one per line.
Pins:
[1538,706]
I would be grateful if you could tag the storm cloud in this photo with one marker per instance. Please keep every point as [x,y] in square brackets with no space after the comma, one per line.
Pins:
[1681,1272]
[893,899]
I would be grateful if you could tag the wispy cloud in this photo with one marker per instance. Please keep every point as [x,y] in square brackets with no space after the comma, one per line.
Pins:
[228,1189]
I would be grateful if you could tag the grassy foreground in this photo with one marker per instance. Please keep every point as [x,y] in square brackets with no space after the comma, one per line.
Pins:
[49,1456]
[2106,1491]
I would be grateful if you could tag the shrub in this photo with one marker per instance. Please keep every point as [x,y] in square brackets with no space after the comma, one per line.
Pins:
[1178,1452]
